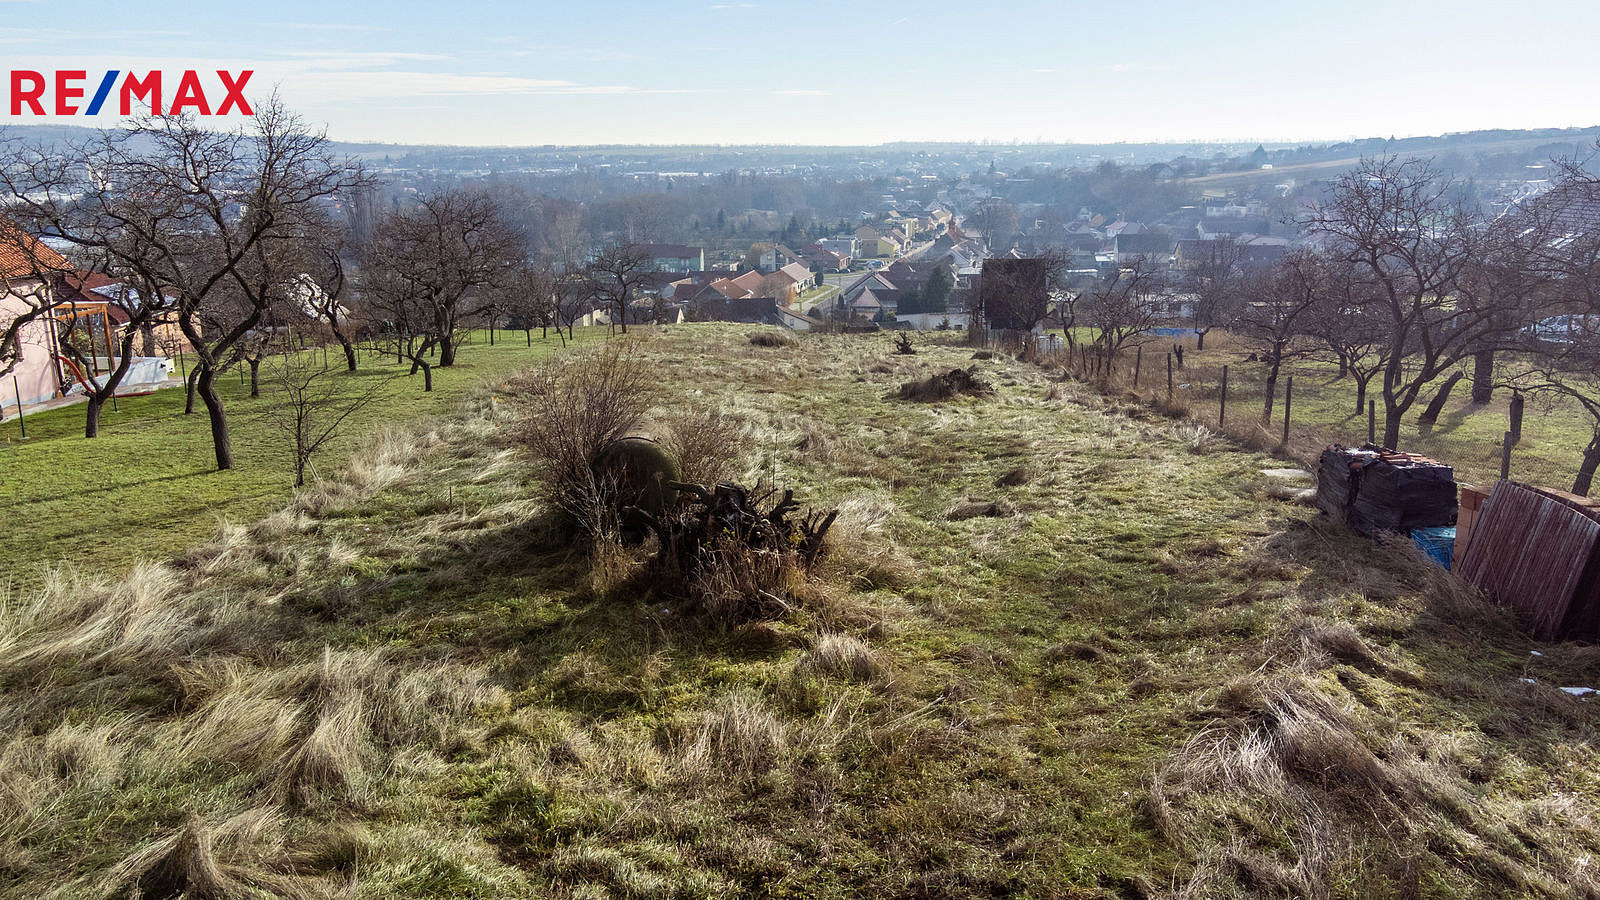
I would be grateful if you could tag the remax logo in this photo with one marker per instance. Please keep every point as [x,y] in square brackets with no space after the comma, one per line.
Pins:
[66,88]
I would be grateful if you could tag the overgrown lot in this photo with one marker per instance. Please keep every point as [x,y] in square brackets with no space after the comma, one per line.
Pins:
[1128,671]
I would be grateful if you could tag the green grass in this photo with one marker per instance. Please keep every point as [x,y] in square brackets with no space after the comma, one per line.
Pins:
[148,487]
[1467,435]
[1152,678]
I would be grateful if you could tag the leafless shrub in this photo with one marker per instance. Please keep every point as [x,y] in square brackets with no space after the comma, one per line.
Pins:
[575,408]
[707,444]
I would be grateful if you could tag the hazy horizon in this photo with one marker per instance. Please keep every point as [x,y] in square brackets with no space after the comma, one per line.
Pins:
[829,73]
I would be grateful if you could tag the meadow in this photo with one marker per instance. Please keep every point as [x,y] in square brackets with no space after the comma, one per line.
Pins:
[1061,645]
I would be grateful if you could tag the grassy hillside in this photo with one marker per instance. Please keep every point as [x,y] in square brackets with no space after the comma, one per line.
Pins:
[1144,675]
[147,486]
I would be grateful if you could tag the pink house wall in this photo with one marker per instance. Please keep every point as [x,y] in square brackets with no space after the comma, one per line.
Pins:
[35,373]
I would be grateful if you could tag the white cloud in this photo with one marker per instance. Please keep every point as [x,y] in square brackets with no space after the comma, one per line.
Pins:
[802,92]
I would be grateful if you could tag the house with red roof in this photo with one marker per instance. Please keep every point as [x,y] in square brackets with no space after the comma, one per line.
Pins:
[30,273]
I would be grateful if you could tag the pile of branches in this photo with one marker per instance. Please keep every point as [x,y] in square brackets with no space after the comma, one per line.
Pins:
[946,385]
[903,345]
[732,555]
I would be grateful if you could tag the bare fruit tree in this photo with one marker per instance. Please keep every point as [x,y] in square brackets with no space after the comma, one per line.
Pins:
[1409,244]
[438,253]
[617,276]
[193,213]
[1214,278]
[1269,316]
[310,402]
[1125,305]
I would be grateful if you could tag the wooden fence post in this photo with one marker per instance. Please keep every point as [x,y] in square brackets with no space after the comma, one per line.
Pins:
[21,423]
[1506,444]
[1372,421]
[1169,377]
[1222,415]
[1517,402]
[1288,404]
[1138,360]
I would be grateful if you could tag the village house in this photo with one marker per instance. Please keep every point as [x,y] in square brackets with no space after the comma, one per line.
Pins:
[29,274]
[675,257]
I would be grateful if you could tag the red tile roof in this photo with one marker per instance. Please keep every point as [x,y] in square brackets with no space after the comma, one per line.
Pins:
[24,256]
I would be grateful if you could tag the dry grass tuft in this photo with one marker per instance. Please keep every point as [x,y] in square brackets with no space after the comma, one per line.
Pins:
[737,736]
[860,550]
[840,656]
[771,337]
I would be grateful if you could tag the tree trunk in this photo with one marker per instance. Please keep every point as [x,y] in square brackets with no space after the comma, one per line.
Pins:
[622,315]
[220,441]
[427,377]
[1483,376]
[1361,394]
[188,400]
[447,349]
[1436,405]
[1272,394]
[1344,364]
[91,420]
[147,339]
[1200,340]
[255,377]
[491,332]
[1591,459]
[349,352]
[1391,425]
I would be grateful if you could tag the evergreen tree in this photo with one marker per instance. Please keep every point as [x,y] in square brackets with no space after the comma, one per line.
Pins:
[911,302]
[936,292]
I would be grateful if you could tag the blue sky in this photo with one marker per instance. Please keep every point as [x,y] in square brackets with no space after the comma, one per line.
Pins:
[835,72]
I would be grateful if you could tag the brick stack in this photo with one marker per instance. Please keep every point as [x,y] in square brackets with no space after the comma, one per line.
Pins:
[1376,490]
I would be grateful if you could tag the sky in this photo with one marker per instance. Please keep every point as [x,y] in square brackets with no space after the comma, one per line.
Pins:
[840,72]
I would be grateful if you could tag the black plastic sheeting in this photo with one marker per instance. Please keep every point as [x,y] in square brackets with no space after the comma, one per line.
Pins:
[1374,490]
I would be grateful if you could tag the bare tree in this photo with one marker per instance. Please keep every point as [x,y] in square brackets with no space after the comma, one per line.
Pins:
[1268,319]
[1566,365]
[1214,278]
[617,275]
[1409,244]
[1350,327]
[528,298]
[1125,305]
[438,253]
[191,212]
[310,402]
[323,290]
